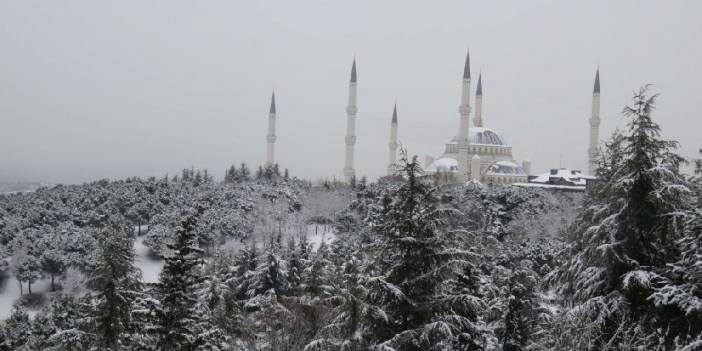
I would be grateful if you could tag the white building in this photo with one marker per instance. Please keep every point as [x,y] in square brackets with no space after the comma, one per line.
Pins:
[560,179]
[477,153]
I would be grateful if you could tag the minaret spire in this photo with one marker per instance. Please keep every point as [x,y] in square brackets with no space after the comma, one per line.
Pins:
[596,90]
[466,68]
[464,111]
[392,166]
[478,119]
[593,151]
[350,139]
[271,137]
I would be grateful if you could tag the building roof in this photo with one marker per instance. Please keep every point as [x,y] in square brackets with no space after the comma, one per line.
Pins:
[596,90]
[445,164]
[353,71]
[505,168]
[272,110]
[479,89]
[482,136]
[466,69]
[574,177]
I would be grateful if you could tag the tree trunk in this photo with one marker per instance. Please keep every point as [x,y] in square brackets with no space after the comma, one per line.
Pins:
[53,288]
[21,290]
[29,286]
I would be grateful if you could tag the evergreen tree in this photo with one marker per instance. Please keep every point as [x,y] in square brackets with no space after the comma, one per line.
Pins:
[352,316]
[53,262]
[178,319]
[16,330]
[418,260]
[519,319]
[27,269]
[244,172]
[117,282]
[625,237]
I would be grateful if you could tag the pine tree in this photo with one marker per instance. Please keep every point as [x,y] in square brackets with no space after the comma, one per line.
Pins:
[418,260]
[53,262]
[117,282]
[244,172]
[519,319]
[352,316]
[625,236]
[16,330]
[178,320]
[27,269]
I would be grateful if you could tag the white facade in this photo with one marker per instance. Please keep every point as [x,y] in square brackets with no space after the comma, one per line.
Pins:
[476,153]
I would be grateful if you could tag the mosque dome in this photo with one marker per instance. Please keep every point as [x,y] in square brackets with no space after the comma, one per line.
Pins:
[482,136]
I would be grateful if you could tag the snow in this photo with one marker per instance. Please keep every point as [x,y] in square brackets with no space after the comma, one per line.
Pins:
[316,234]
[10,292]
[443,164]
[505,168]
[550,186]
[150,267]
[570,175]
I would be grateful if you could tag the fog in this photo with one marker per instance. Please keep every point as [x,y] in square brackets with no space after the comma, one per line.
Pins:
[96,89]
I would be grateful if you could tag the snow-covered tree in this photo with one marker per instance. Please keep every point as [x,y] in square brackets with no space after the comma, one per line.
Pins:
[177,317]
[417,260]
[625,237]
[53,262]
[118,285]
[27,268]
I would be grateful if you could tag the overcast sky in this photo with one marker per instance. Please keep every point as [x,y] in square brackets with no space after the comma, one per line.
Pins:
[111,89]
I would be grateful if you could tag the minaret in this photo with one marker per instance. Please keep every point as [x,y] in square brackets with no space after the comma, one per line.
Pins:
[478,118]
[350,138]
[464,111]
[593,152]
[270,138]
[392,167]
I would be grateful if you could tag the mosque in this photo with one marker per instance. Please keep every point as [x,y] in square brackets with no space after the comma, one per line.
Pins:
[476,153]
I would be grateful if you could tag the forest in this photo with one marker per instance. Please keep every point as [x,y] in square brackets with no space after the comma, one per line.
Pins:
[263,260]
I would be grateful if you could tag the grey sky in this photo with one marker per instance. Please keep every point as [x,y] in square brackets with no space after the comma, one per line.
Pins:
[95,89]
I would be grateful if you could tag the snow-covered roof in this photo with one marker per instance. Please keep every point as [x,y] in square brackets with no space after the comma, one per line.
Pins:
[482,136]
[572,176]
[444,164]
[549,186]
[505,168]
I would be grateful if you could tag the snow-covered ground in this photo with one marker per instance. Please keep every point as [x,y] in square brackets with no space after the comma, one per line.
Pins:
[150,267]
[316,234]
[10,292]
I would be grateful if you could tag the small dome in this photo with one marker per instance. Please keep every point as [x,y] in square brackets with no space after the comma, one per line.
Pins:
[482,136]
[505,168]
